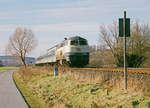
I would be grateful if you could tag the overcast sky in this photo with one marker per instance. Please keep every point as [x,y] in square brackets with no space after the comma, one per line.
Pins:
[52,20]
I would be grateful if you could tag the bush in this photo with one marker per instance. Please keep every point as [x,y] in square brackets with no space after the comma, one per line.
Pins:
[1,64]
[132,60]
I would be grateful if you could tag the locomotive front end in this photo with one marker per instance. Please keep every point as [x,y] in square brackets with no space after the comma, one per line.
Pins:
[78,52]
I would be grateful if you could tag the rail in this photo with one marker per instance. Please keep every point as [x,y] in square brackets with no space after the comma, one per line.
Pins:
[130,70]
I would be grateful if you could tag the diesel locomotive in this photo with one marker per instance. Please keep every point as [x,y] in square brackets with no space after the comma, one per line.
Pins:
[73,51]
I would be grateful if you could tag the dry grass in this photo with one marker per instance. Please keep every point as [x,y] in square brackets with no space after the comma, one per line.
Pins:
[139,83]
[4,69]
[27,73]
[90,89]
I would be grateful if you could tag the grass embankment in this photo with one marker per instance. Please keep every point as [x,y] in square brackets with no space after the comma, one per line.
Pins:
[4,69]
[32,100]
[43,90]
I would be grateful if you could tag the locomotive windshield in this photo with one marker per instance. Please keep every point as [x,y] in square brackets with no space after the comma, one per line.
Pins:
[83,42]
[78,42]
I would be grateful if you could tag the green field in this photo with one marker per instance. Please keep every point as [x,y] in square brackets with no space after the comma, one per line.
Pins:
[3,69]
[43,90]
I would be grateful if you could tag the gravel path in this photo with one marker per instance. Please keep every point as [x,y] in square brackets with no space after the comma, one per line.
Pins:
[10,97]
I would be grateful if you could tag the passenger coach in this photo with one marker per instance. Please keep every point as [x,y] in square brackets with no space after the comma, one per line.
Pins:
[73,51]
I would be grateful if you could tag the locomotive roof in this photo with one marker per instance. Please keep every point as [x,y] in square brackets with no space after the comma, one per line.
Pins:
[71,38]
[76,38]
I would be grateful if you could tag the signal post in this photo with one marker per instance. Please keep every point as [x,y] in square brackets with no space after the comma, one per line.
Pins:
[124,31]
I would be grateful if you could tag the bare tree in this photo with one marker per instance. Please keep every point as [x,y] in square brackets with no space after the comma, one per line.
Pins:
[137,45]
[110,39]
[21,43]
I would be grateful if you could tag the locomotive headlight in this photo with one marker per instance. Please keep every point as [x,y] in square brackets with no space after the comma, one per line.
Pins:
[67,58]
[75,49]
[78,49]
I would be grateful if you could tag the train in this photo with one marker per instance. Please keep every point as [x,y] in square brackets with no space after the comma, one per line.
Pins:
[73,51]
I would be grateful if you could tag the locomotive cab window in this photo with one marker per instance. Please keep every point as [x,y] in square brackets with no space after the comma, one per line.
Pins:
[83,42]
[74,42]
[78,42]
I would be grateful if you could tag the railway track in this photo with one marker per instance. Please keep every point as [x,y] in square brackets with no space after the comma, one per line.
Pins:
[130,70]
